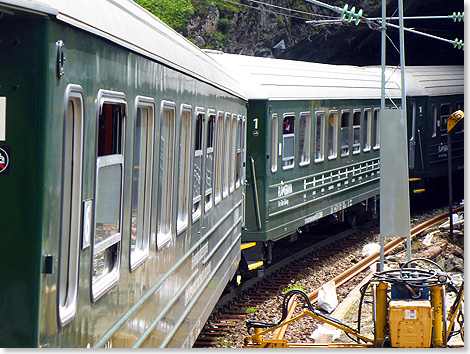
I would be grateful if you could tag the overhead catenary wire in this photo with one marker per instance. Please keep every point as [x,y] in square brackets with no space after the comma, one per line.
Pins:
[277,7]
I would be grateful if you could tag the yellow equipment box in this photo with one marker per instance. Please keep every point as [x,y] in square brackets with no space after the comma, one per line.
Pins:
[410,323]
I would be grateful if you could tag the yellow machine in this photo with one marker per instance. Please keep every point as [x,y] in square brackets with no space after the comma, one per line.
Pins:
[408,309]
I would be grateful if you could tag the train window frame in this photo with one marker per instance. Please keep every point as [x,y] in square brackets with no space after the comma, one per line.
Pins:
[375,130]
[305,137]
[443,118]
[166,174]
[218,180]
[333,134]
[288,160]
[433,120]
[184,168]
[367,131]
[233,152]
[209,160]
[198,157]
[112,157]
[274,142]
[239,153]
[226,150]
[356,132]
[71,208]
[144,182]
[344,132]
[319,149]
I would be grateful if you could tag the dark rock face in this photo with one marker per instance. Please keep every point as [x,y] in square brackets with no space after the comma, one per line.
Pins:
[358,45]
[258,29]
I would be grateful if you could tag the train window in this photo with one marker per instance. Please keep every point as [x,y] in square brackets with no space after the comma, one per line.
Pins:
[238,163]
[197,169]
[460,126]
[108,193]
[345,133]
[219,158]
[226,154]
[375,138]
[288,141]
[71,208]
[305,131]
[184,169]
[166,174]
[209,160]
[356,131]
[446,111]
[332,135]
[141,180]
[274,142]
[233,153]
[320,136]
[434,121]
[367,129]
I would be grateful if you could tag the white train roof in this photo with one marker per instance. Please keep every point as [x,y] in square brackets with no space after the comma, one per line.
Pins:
[435,80]
[280,79]
[129,25]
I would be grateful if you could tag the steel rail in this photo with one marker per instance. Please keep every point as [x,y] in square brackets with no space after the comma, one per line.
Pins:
[342,278]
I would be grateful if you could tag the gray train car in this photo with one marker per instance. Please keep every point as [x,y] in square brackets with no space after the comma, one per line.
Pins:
[313,146]
[122,169]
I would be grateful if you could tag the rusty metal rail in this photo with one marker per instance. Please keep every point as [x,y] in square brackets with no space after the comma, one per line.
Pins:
[362,265]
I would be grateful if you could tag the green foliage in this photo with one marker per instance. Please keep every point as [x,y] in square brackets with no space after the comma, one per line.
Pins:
[293,287]
[175,13]
[250,310]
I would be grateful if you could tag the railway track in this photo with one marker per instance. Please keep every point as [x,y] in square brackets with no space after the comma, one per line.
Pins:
[236,306]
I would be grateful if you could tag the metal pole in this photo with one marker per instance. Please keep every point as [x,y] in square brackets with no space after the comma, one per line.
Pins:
[382,105]
[403,102]
[449,167]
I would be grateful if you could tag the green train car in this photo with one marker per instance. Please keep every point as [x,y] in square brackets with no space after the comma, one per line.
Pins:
[313,141]
[121,173]
[313,146]
[435,92]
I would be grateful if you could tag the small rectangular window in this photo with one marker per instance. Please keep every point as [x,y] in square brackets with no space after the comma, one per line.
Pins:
[209,160]
[320,137]
[367,129]
[446,111]
[197,166]
[375,139]
[108,192]
[356,131]
[239,161]
[70,226]
[184,169]
[288,141]
[166,172]
[141,180]
[233,152]
[345,133]
[333,135]
[305,130]
[434,121]
[226,159]
[274,142]
[219,157]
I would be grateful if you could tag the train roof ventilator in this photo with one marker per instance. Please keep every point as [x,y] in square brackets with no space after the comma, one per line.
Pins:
[408,309]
